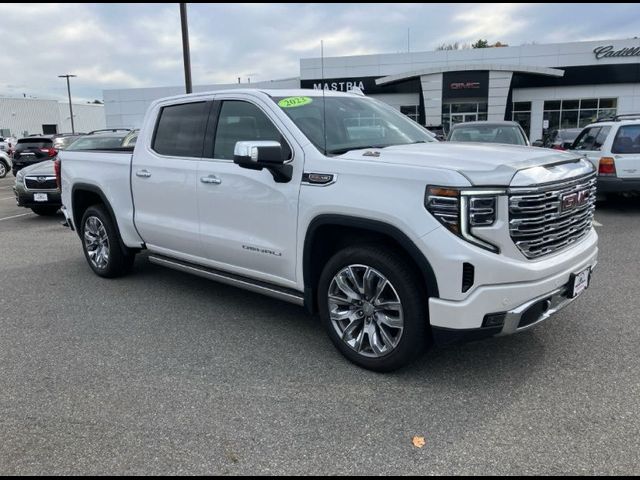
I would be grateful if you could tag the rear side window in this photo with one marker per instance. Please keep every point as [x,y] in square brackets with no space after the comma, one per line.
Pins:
[180,130]
[27,143]
[242,121]
[627,140]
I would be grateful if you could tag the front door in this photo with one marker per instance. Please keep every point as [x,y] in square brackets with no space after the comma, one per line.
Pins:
[248,222]
[164,180]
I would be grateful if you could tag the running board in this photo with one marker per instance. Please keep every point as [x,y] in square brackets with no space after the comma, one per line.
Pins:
[281,293]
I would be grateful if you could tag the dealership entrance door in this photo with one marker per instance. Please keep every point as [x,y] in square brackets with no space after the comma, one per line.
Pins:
[457,112]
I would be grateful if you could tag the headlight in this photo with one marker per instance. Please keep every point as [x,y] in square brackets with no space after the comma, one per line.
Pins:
[20,177]
[462,209]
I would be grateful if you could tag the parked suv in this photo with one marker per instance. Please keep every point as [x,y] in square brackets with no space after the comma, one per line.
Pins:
[613,146]
[31,150]
[36,188]
[342,204]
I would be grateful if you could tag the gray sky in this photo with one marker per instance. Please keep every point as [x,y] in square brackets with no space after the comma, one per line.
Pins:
[139,45]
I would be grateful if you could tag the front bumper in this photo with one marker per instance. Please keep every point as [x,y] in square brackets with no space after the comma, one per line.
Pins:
[518,300]
[25,198]
[618,185]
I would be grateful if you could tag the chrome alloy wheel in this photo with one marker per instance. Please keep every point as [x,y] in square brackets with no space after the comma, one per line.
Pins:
[96,242]
[3,169]
[365,310]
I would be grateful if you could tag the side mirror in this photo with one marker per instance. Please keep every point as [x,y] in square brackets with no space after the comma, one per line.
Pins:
[538,143]
[260,154]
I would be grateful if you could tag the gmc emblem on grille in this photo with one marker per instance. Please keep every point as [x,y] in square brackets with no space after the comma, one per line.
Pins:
[574,200]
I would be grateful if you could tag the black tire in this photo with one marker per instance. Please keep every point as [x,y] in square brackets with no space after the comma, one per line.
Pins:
[45,210]
[120,258]
[407,284]
[4,169]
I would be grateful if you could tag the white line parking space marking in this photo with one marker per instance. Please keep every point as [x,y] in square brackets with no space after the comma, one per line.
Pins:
[16,216]
[8,198]
[597,223]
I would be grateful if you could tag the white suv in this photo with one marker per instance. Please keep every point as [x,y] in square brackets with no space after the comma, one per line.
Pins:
[614,148]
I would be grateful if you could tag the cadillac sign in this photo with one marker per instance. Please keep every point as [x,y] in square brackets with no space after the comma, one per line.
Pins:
[607,51]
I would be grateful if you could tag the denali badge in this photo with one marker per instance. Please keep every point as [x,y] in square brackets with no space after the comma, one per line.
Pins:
[573,200]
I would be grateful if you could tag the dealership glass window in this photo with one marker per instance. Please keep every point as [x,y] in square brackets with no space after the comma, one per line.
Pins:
[410,111]
[522,114]
[453,113]
[577,113]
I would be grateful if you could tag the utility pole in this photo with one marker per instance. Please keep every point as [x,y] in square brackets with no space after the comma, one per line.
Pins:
[68,76]
[185,47]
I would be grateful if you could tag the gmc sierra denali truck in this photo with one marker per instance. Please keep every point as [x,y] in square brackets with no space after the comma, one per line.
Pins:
[340,203]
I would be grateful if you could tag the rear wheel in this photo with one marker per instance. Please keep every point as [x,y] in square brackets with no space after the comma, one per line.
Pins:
[102,245]
[45,210]
[373,307]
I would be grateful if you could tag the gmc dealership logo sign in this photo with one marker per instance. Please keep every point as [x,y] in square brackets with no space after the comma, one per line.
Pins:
[607,51]
[464,85]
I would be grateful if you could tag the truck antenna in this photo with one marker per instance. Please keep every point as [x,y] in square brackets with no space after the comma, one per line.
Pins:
[324,103]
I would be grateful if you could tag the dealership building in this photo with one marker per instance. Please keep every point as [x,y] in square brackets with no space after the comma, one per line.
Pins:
[547,86]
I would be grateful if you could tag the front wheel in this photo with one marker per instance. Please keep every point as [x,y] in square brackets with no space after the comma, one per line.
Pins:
[373,306]
[102,246]
[4,168]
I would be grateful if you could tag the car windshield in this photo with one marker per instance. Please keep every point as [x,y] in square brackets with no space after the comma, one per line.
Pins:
[351,123]
[97,142]
[509,134]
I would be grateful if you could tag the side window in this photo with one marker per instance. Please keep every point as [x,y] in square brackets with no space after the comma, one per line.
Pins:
[180,130]
[627,140]
[601,137]
[586,139]
[241,121]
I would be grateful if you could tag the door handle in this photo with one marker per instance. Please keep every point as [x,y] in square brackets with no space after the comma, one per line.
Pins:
[143,173]
[211,179]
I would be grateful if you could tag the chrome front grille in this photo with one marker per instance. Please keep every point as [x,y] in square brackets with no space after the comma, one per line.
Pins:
[545,219]
[41,182]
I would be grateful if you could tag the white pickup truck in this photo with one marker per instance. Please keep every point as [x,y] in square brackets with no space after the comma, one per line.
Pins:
[340,203]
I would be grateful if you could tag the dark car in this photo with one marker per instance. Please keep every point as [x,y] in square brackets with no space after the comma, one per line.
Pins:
[32,150]
[561,139]
[509,133]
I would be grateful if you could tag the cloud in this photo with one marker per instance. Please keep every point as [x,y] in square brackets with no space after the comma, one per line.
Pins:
[131,45]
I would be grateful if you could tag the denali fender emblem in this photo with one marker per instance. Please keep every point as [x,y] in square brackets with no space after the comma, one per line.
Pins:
[321,179]
[573,200]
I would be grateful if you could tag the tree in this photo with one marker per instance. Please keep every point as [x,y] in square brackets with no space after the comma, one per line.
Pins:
[448,46]
[480,44]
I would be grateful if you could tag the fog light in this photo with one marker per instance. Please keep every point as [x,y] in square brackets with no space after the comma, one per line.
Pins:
[494,320]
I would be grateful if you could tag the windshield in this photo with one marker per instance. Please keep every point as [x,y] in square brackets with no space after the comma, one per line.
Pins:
[96,142]
[351,123]
[508,134]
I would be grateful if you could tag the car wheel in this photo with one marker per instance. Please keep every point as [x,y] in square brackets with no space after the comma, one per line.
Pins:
[4,168]
[373,306]
[45,210]
[102,246]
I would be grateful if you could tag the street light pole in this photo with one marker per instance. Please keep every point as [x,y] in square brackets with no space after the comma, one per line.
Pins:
[185,47]
[67,76]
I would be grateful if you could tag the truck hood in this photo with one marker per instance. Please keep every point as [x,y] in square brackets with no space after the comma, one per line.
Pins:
[41,168]
[483,164]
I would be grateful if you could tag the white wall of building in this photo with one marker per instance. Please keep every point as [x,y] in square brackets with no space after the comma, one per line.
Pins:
[628,95]
[25,116]
[86,117]
[127,107]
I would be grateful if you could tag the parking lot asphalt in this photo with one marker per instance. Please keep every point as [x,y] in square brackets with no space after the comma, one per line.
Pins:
[165,373]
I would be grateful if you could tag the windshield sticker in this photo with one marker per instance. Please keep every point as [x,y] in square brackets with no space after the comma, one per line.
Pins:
[291,102]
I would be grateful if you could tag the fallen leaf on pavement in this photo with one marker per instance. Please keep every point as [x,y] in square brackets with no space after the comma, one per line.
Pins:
[418,442]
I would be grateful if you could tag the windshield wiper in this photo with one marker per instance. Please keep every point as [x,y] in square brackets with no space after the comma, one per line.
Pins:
[339,151]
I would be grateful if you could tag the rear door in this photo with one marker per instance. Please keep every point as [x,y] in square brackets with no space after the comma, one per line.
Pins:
[164,179]
[590,141]
[626,151]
